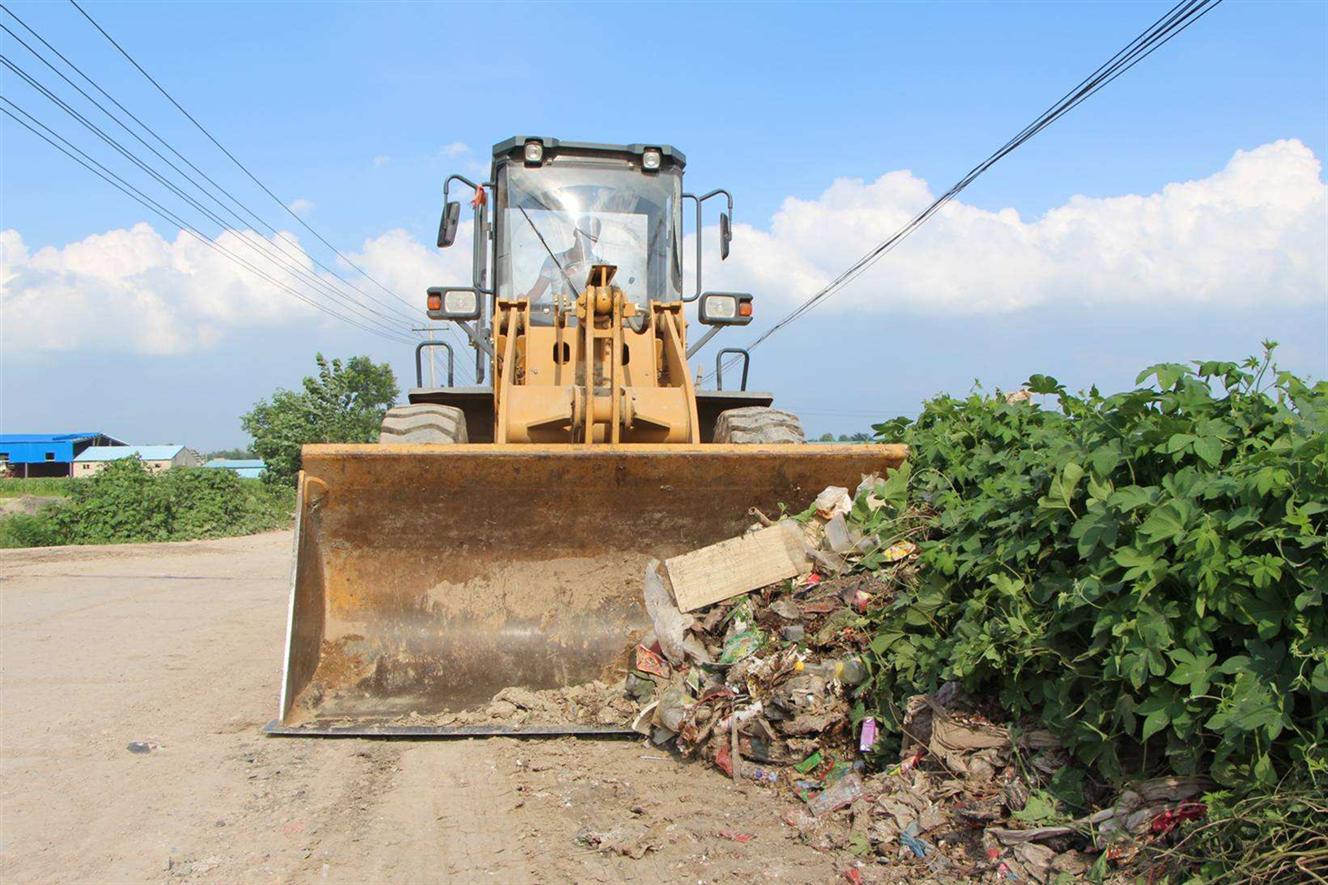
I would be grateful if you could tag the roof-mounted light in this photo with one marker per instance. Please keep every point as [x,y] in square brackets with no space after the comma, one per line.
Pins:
[650,160]
[534,153]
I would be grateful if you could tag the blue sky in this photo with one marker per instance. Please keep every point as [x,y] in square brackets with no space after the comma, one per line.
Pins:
[361,109]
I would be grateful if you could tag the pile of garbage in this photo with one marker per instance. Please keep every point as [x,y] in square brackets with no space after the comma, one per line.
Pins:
[760,645]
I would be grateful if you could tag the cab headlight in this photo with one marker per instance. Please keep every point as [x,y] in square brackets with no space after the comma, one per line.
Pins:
[725,309]
[453,304]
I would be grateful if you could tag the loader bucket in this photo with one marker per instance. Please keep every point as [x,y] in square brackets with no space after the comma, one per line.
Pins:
[429,578]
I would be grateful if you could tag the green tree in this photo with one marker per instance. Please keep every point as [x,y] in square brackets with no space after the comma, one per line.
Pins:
[827,437]
[343,403]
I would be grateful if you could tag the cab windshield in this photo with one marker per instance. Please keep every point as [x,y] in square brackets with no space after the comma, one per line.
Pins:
[576,212]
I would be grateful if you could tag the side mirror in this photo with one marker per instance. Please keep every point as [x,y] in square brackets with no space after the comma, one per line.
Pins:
[725,235]
[447,227]
[725,309]
[453,304]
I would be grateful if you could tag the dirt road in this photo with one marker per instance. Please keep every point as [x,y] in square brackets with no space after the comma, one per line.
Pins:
[179,646]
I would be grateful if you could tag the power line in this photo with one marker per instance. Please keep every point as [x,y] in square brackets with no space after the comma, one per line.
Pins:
[232,157]
[1176,19]
[69,150]
[267,252]
[407,317]
[272,248]
[252,177]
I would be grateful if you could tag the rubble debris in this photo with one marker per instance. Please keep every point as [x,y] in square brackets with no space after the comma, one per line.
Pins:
[650,663]
[588,703]
[669,623]
[833,501]
[758,664]
[630,840]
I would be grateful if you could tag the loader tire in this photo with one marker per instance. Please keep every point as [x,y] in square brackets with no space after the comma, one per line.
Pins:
[756,425]
[423,423]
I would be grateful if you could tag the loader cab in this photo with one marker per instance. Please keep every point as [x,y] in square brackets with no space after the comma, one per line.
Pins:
[550,211]
[562,207]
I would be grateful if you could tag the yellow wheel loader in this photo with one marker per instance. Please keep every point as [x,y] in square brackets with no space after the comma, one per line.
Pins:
[497,535]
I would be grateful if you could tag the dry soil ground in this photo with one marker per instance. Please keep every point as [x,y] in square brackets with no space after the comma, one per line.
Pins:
[179,645]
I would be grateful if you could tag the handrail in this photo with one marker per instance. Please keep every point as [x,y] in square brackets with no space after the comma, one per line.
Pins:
[451,362]
[719,365]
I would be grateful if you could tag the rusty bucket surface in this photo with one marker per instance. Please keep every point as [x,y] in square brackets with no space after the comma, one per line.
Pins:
[429,578]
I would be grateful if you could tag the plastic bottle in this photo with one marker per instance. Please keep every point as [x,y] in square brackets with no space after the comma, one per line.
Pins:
[845,791]
[850,671]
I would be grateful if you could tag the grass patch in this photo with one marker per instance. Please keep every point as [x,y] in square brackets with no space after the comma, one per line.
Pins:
[43,486]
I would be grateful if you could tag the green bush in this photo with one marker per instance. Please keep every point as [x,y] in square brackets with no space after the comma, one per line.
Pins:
[126,502]
[1144,573]
[24,530]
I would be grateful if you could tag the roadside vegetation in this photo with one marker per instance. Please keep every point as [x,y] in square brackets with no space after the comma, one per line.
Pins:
[1143,574]
[125,502]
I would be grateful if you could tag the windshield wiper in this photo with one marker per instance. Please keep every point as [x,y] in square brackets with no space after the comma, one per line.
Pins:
[556,262]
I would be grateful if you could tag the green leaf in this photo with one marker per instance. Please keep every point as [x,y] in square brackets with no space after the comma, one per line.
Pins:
[1155,722]
[1157,711]
[1105,458]
[1167,522]
[1319,678]
[882,641]
[1044,384]
[1129,498]
[1039,809]
[1167,374]
[1191,670]
[1210,449]
[1070,476]
[1179,442]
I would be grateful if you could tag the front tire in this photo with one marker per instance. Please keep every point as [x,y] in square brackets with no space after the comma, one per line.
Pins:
[427,423]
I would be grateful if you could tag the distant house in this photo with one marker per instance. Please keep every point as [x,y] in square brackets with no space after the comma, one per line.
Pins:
[155,458]
[246,468]
[47,454]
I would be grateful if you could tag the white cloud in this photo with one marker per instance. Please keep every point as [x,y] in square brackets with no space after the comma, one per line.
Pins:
[455,149]
[1254,232]
[409,267]
[302,207]
[132,290]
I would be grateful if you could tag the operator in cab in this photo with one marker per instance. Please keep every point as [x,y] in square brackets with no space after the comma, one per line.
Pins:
[564,274]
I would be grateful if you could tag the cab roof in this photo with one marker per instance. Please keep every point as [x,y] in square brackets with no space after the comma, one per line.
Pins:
[512,148]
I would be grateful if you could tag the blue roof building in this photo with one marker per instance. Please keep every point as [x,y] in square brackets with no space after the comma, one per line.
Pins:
[115,453]
[246,468]
[90,460]
[48,454]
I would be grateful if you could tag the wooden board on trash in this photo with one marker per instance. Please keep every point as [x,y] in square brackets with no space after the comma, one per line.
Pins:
[738,565]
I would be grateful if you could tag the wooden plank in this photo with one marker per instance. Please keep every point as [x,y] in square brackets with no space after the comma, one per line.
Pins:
[738,565]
